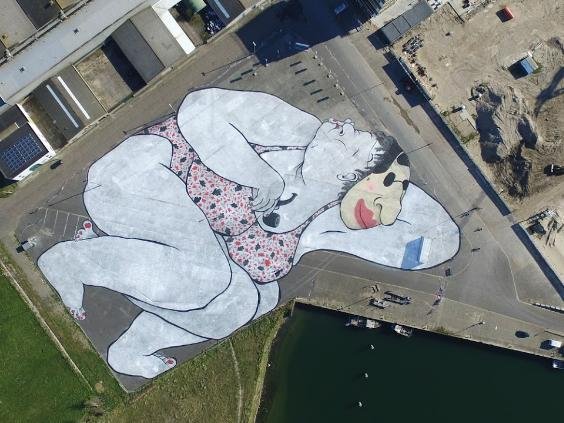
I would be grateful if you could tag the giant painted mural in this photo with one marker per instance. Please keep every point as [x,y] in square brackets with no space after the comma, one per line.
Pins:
[196,218]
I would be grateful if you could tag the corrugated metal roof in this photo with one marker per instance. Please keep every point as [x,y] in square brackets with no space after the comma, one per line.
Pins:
[403,23]
[418,13]
[390,33]
[528,65]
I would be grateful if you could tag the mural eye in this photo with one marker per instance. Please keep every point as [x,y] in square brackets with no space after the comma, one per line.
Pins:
[389,179]
[347,177]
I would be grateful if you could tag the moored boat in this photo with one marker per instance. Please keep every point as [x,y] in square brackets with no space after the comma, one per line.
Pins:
[403,330]
[557,364]
[362,322]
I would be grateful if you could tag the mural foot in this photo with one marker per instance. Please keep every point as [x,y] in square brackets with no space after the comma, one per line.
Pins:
[77,313]
[170,362]
[86,232]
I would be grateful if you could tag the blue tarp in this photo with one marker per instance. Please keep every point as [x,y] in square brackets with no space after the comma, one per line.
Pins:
[527,65]
[412,253]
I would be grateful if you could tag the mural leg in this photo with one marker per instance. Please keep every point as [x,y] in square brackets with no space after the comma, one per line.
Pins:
[153,273]
[269,294]
[135,352]
[236,306]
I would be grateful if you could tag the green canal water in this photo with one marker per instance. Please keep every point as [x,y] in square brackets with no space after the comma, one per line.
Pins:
[318,365]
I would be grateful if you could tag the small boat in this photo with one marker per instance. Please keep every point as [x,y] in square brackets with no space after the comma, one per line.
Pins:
[379,303]
[403,330]
[362,322]
[557,364]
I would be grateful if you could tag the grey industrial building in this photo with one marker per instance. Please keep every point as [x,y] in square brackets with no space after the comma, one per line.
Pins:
[394,29]
[65,63]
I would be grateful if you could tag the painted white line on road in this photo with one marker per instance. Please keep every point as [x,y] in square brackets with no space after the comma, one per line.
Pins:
[61,105]
[69,92]
[44,219]
[65,228]
[64,211]
[55,222]
[76,226]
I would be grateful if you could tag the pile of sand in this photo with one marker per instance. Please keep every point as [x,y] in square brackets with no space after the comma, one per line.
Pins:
[504,121]
[520,128]
[506,126]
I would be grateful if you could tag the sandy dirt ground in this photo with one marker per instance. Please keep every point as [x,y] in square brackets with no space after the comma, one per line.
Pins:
[510,124]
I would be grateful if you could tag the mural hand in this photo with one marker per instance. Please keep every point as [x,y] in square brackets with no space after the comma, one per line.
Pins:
[265,197]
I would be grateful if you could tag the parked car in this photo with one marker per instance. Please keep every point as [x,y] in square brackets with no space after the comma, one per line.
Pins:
[554,170]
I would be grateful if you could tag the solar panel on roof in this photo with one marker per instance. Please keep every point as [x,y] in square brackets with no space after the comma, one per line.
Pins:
[22,152]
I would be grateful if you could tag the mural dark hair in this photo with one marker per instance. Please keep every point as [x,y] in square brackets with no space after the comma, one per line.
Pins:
[390,151]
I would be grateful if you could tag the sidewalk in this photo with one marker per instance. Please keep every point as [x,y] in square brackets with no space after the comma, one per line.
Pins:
[449,317]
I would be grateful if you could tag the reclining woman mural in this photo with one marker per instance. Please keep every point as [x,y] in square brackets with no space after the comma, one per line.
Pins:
[199,215]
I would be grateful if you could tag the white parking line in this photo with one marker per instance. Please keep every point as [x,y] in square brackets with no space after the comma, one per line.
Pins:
[76,226]
[44,218]
[65,228]
[55,222]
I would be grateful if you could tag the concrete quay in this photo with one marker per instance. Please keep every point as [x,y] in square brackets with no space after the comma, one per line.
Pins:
[449,317]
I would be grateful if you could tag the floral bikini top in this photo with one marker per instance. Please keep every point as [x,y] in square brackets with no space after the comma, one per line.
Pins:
[264,255]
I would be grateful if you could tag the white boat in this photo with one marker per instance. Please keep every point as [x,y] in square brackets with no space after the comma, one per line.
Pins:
[557,364]
[402,330]
[362,322]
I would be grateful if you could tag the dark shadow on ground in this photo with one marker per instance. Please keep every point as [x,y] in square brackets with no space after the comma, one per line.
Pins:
[4,183]
[406,85]
[551,91]
[377,41]
[122,66]
[286,28]
[535,253]
[517,71]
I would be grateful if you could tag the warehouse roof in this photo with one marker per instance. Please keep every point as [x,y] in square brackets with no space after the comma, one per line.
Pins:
[394,29]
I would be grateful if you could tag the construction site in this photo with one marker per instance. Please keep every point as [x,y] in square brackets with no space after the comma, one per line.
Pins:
[495,72]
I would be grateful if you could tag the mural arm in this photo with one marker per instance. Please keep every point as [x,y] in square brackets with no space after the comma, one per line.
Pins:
[261,118]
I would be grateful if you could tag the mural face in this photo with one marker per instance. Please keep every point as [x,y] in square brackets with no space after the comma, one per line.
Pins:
[197,217]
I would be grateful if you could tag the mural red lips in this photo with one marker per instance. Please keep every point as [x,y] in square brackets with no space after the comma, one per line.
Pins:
[364,216]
